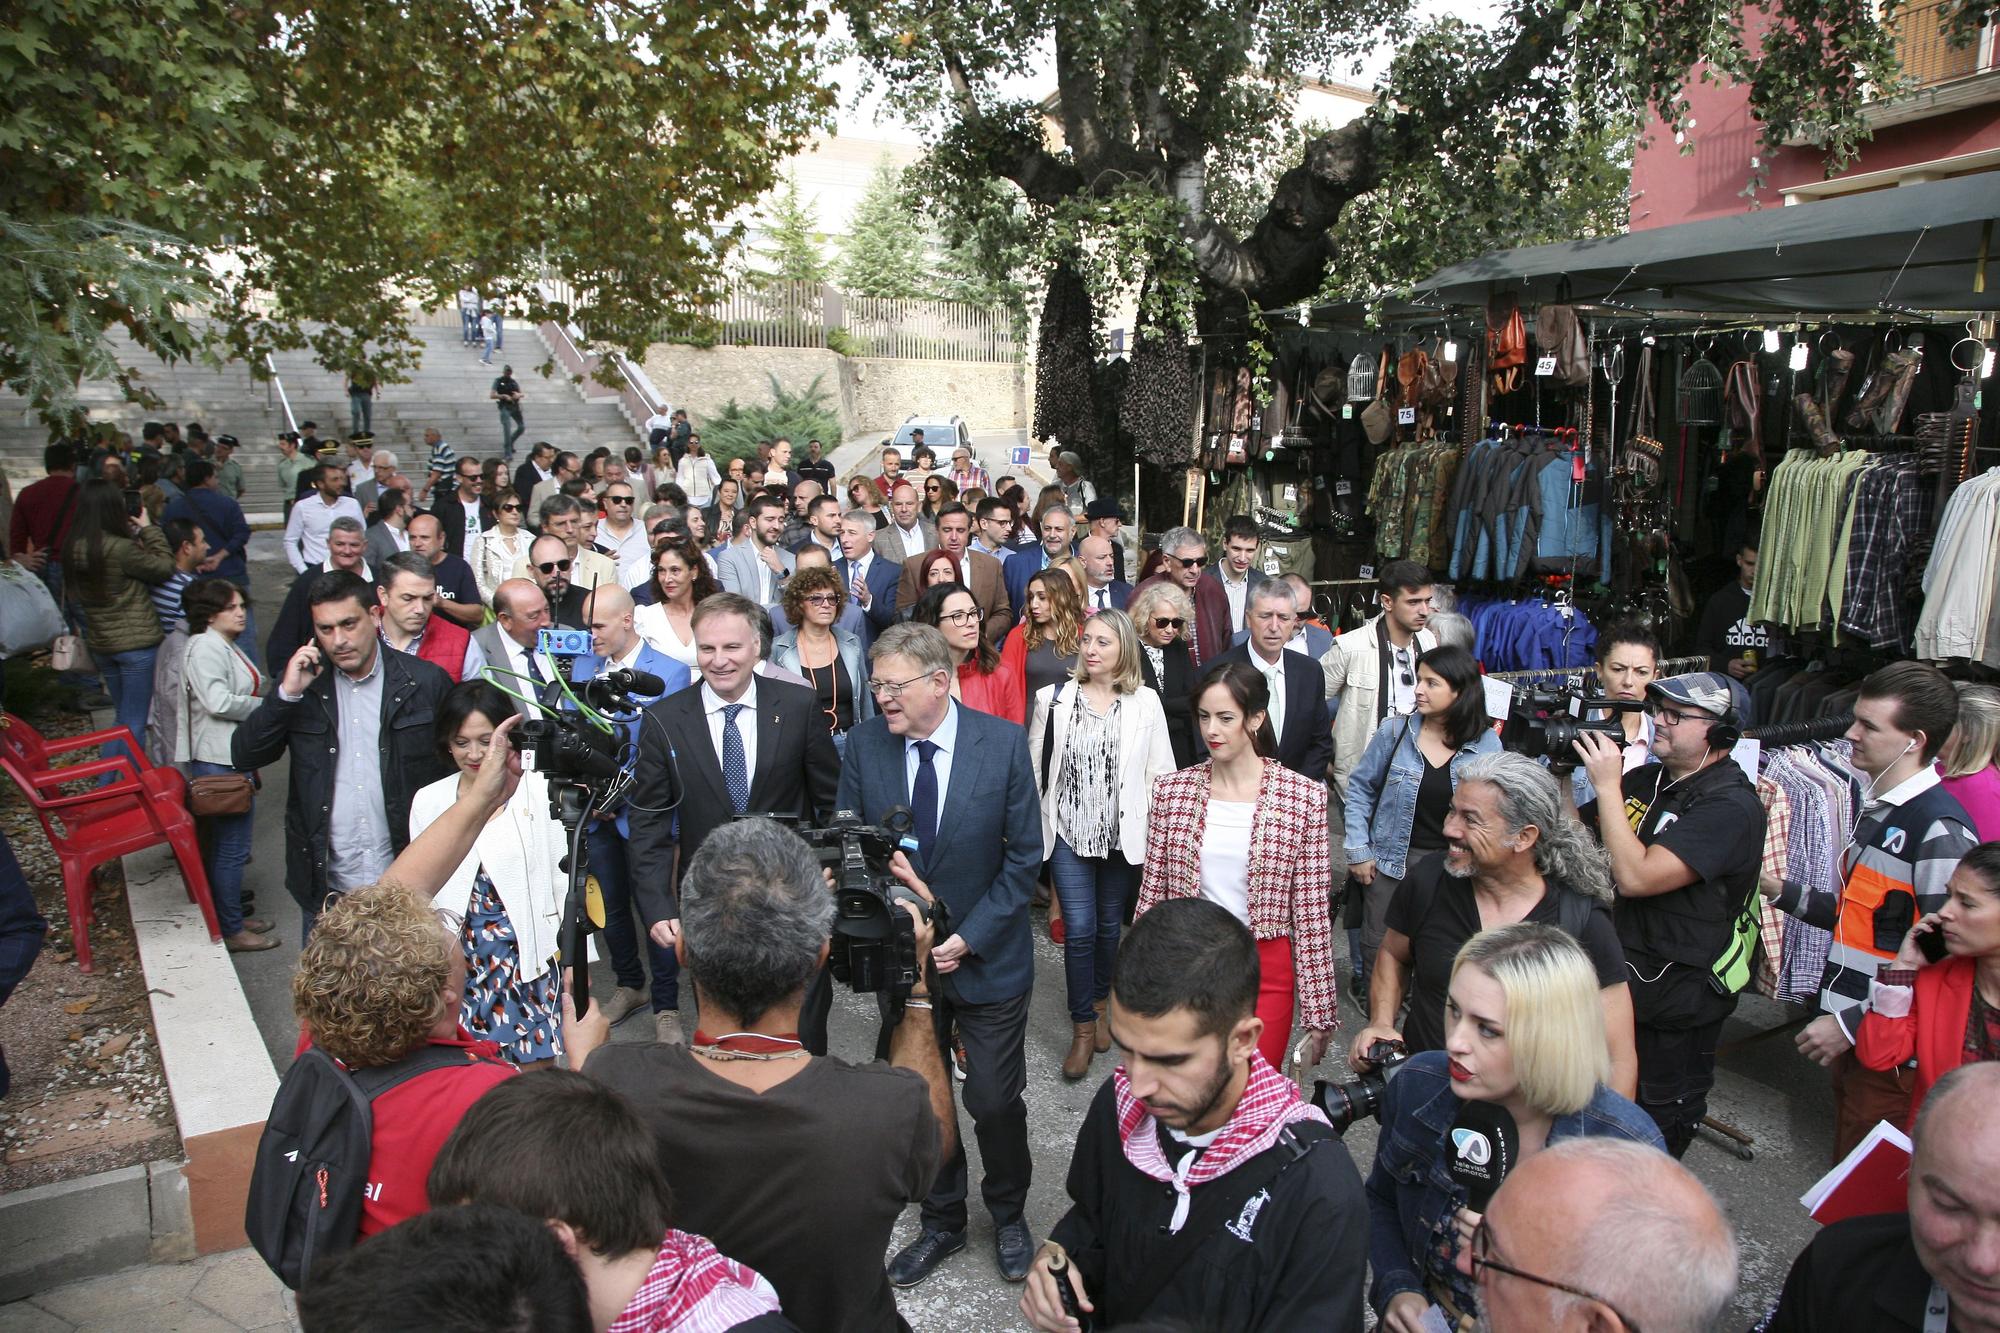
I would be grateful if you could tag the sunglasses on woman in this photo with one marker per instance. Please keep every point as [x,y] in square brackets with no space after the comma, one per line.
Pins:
[1168,622]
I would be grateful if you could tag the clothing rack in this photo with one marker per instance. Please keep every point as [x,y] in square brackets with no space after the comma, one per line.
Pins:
[1672,666]
[1781,734]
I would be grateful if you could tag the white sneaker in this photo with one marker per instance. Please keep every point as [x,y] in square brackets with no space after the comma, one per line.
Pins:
[622,1003]
[667,1028]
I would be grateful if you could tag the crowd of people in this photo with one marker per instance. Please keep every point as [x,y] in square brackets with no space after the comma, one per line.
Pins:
[1171,764]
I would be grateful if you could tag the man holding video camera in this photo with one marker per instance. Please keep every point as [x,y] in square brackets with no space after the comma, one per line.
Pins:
[797,1165]
[965,777]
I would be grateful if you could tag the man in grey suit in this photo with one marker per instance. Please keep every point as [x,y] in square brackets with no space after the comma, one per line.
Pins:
[755,565]
[909,533]
[521,612]
[967,772]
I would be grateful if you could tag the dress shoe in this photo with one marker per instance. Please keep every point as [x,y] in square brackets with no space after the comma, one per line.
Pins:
[258,924]
[622,1003]
[246,941]
[1015,1249]
[1082,1045]
[1103,1029]
[920,1258]
[667,1028]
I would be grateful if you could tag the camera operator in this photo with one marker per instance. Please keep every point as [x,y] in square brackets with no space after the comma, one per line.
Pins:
[1686,842]
[794,1164]
[1192,1128]
[1510,855]
[1628,660]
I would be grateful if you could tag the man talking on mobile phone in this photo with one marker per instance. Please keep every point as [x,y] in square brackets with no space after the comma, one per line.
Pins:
[360,741]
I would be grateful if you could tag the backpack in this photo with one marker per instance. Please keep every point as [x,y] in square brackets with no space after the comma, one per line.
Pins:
[311,1169]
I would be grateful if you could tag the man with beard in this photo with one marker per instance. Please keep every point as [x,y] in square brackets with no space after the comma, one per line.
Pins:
[1180,1141]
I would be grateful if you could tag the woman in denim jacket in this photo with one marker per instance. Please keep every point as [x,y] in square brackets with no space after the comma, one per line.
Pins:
[1525,1032]
[1399,792]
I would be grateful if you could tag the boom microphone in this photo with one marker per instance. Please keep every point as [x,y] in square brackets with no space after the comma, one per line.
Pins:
[1484,1145]
[629,680]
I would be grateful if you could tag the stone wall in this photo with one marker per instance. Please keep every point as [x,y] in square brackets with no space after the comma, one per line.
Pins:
[871,395]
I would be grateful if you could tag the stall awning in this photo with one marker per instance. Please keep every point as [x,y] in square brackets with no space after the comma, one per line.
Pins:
[1927,247]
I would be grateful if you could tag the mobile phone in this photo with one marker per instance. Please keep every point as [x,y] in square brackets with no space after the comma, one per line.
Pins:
[1931,945]
[131,504]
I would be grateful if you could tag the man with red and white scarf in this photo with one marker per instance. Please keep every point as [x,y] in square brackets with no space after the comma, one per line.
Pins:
[567,1150]
[1263,1223]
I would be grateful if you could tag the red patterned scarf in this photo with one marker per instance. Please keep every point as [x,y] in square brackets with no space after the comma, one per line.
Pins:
[694,1288]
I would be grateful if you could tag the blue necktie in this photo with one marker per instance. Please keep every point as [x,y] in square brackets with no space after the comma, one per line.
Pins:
[735,770]
[924,799]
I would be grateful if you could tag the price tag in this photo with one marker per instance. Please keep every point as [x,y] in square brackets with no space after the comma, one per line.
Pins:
[1406,416]
[1343,487]
[1546,366]
[1271,566]
[1347,411]
[1365,572]
[1291,495]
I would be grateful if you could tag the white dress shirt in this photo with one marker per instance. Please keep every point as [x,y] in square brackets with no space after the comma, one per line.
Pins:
[913,538]
[306,528]
[746,725]
[1274,672]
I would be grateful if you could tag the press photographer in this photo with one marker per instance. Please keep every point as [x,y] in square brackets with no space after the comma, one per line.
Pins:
[797,1165]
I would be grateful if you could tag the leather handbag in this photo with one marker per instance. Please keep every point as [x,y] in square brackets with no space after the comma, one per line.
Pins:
[68,653]
[221,794]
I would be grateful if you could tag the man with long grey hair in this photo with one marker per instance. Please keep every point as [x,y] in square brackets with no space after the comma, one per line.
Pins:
[1511,854]
[763,1142]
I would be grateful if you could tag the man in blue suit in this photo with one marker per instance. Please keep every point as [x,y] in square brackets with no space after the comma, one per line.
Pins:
[1058,526]
[966,772]
[1102,591]
[871,577]
[608,611]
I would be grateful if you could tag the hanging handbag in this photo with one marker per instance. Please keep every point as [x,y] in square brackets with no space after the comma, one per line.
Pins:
[70,653]
[1378,419]
[216,793]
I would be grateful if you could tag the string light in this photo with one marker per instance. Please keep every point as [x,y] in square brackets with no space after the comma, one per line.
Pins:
[1770,340]
[1451,352]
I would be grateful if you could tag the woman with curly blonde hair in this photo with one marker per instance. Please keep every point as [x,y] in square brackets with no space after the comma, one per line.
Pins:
[379,985]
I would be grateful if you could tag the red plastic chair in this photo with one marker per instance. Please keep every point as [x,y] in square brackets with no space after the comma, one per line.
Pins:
[145,807]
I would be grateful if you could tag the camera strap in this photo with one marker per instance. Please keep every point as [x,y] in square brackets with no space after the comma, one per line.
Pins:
[1221,1203]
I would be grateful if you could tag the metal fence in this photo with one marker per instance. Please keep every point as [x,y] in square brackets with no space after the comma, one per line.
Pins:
[1924,45]
[805,314]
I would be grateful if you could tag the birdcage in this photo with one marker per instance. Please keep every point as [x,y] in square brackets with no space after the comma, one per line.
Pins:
[1701,394]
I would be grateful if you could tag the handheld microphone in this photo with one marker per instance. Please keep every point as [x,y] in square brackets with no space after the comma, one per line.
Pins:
[1484,1146]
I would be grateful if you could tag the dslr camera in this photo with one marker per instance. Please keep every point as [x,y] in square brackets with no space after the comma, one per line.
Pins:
[1345,1103]
[1544,724]
[874,940]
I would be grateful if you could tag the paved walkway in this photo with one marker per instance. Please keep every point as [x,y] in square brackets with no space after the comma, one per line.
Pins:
[209,1295]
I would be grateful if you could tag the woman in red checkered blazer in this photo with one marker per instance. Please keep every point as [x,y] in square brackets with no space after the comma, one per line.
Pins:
[1244,831]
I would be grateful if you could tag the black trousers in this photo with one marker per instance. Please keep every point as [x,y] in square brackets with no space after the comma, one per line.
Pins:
[996,1077]
[1676,1070]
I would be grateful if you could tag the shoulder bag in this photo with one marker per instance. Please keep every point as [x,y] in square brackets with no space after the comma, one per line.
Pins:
[215,794]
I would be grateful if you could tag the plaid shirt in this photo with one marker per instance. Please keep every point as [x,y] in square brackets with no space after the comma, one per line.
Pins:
[693,1288]
[1289,870]
[1892,506]
[1771,921]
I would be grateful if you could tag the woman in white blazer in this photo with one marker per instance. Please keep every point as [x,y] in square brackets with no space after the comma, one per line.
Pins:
[219,688]
[1097,742]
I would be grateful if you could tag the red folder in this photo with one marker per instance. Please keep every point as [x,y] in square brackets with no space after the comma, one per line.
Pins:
[1874,1178]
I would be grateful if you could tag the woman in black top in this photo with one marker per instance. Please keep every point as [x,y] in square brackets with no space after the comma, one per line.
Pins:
[1161,613]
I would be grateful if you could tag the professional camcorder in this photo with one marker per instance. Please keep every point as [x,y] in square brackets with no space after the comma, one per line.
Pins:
[874,940]
[1544,724]
[1345,1103]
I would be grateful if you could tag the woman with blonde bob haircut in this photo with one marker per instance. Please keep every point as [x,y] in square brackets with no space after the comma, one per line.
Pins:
[1970,760]
[1524,1033]
[1097,741]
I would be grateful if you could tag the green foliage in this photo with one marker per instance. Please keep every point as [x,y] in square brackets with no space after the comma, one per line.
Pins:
[345,157]
[794,253]
[885,253]
[735,431]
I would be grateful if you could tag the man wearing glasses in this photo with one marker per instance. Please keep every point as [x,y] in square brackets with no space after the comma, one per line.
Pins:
[1184,554]
[620,536]
[1595,1262]
[1686,842]
[463,512]
[562,517]
[1371,673]
[550,565]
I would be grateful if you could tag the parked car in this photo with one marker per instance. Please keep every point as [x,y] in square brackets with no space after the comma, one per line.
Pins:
[942,434]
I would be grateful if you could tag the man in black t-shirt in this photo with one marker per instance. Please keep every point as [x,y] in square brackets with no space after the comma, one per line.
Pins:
[1686,838]
[1731,641]
[1510,855]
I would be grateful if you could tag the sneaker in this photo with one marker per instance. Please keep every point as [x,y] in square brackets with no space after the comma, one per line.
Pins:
[921,1257]
[622,1003]
[667,1028]
[958,1059]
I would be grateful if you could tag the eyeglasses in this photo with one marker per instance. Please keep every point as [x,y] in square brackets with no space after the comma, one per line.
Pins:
[893,689]
[1168,622]
[821,599]
[618,499]
[551,566]
[932,486]
[1189,561]
[1673,717]
[962,617]
[510,509]
[1482,1251]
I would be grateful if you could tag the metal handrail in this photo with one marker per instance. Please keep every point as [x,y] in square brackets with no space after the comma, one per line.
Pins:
[291,422]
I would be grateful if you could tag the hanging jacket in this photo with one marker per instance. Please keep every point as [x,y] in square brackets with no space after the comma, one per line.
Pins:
[1558,537]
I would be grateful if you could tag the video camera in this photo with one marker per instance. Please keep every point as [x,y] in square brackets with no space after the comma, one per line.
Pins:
[1544,724]
[1361,1098]
[874,940]
[572,751]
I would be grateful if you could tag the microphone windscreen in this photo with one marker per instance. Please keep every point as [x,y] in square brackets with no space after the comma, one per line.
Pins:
[644,682]
[1484,1144]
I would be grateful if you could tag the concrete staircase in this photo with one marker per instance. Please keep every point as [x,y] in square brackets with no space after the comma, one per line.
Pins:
[448,390]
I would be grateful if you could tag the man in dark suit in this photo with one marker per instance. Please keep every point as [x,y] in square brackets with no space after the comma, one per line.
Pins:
[735,743]
[966,778]
[1102,591]
[909,533]
[535,469]
[1298,687]
[976,570]
[463,512]
[871,577]
[1058,527]
[1105,518]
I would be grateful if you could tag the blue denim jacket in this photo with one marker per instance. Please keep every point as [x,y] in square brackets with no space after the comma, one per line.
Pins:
[1382,793]
[1410,1189]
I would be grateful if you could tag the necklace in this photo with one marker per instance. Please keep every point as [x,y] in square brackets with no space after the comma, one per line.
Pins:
[832,669]
[760,1046]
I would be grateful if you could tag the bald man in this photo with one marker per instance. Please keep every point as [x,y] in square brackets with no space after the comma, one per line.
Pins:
[1556,1250]
[1103,589]
[607,611]
[1880,1273]
[520,614]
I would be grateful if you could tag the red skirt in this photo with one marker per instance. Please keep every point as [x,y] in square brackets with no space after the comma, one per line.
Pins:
[1275,999]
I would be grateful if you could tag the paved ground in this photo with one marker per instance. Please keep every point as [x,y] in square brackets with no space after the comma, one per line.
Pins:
[211,1295]
[1765,1088]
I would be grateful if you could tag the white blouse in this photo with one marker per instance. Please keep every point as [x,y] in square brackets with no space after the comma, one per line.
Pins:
[1225,856]
[520,850]
[655,628]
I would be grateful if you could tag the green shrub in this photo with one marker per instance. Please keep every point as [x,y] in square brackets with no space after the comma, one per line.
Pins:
[735,431]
